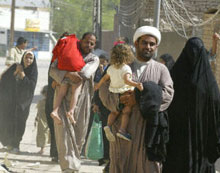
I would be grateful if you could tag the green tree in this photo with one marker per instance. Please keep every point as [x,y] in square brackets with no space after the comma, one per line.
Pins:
[75,16]
[108,13]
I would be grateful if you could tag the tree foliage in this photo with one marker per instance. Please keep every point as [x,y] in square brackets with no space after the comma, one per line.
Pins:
[75,16]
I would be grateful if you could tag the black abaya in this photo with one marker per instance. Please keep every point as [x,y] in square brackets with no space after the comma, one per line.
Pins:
[15,99]
[194,113]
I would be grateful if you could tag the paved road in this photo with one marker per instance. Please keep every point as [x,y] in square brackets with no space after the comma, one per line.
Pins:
[28,161]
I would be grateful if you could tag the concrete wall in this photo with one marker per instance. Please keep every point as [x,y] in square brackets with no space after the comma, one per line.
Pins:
[108,38]
[171,43]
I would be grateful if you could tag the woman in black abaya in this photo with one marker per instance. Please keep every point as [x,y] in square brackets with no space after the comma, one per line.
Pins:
[194,113]
[17,87]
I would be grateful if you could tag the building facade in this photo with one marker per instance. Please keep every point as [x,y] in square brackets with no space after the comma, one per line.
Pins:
[32,21]
[133,14]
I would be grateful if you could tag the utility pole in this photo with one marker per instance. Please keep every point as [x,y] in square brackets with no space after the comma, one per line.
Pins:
[11,43]
[157,17]
[51,15]
[97,21]
[119,21]
[157,13]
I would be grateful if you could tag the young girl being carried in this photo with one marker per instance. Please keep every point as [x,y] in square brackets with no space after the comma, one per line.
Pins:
[67,56]
[120,76]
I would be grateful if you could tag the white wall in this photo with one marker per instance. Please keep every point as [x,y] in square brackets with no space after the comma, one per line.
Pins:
[20,23]
[20,17]
[44,55]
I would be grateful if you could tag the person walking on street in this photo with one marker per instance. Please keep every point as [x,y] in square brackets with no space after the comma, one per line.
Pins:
[43,136]
[17,52]
[194,113]
[131,157]
[69,138]
[48,110]
[17,86]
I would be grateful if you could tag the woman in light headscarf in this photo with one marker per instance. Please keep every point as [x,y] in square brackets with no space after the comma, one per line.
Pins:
[17,87]
[194,113]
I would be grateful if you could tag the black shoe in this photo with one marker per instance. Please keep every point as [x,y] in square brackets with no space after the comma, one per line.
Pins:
[101,162]
[106,169]
[54,159]
[5,167]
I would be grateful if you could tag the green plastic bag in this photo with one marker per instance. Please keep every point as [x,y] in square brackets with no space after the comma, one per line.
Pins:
[94,145]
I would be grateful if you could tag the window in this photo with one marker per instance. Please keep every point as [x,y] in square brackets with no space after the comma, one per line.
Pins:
[35,39]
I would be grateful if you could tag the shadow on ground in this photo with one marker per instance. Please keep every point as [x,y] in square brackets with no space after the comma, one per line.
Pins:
[36,98]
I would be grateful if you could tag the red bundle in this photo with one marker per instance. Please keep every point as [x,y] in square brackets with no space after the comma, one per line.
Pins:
[68,54]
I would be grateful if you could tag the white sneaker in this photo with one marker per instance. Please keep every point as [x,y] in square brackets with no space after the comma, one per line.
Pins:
[109,135]
[124,136]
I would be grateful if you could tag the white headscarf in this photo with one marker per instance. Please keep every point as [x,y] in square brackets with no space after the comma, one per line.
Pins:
[28,52]
[147,30]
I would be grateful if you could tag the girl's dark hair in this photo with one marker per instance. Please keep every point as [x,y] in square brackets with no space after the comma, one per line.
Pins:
[21,40]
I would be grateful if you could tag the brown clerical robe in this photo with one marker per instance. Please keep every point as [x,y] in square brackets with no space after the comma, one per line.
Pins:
[130,157]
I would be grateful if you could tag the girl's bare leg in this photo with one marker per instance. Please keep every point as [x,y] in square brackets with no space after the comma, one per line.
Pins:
[76,88]
[125,119]
[111,118]
[58,100]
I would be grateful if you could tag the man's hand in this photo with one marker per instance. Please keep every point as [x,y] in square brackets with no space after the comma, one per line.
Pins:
[54,84]
[96,86]
[128,98]
[74,76]
[95,108]
[216,37]
[33,48]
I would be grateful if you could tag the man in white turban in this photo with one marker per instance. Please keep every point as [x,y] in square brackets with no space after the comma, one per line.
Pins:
[132,157]
[147,30]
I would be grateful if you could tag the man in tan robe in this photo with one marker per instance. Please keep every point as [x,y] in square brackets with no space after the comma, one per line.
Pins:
[130,157]
[70,138]
[16,53]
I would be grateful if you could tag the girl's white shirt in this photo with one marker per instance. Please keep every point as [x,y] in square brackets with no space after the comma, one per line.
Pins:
[117,84]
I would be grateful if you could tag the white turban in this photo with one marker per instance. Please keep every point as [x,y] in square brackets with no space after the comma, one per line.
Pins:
[147,30]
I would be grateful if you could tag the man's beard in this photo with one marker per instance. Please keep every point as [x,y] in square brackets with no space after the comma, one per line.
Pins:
[145,56]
